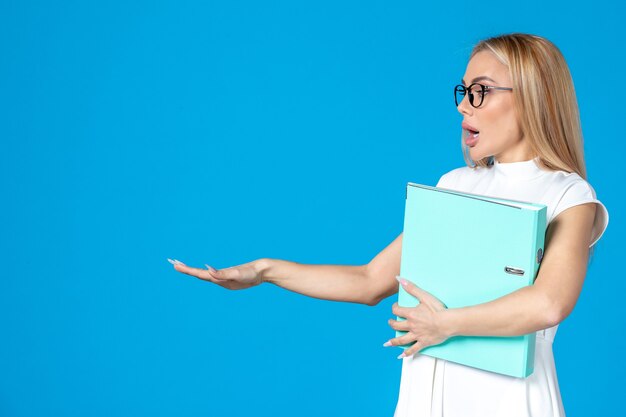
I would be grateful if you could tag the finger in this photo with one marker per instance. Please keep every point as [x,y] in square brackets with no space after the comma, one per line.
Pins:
[417,346]
[400,311]
[417,292]
[405,339]
[227,273]
[203,274]
[402,325]
[214,273]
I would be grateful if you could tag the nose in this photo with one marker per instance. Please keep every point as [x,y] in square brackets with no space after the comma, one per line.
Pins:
[464,106]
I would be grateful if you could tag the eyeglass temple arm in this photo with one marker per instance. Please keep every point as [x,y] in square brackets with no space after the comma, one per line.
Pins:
[498,88]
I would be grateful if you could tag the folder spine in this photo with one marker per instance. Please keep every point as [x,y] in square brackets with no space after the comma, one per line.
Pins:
[536,256]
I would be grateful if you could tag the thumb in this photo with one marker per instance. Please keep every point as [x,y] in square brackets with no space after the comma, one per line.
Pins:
[417,292]
[228,273]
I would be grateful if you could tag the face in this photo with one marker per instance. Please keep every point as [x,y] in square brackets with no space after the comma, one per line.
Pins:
[492,128]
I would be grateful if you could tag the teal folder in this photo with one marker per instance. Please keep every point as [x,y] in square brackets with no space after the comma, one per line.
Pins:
[468,249]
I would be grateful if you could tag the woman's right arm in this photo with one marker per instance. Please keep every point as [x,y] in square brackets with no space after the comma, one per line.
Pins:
[365,284]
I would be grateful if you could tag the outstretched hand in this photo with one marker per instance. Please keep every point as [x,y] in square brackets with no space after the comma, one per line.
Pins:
[233,278]
[423,323]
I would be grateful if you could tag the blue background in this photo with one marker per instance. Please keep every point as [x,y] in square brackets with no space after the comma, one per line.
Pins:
[223,132]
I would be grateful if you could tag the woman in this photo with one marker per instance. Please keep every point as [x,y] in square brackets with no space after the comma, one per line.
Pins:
[521,140]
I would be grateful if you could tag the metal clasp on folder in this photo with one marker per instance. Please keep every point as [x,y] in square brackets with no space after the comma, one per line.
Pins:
[514,271]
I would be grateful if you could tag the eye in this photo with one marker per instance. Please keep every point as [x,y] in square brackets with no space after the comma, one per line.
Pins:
[477,90]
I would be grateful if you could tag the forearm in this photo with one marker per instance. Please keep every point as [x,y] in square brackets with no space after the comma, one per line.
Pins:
[328,282]
[521,312]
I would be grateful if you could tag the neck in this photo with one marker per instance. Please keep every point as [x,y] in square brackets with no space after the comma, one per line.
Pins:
[518,152]
[514,156]
[513,160]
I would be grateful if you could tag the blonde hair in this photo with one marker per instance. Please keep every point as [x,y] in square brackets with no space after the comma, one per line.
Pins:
[545,100]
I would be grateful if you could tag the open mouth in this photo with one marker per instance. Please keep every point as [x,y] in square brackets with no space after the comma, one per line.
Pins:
[471,137]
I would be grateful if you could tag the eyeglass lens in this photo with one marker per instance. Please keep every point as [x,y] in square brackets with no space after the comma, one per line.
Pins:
[475,91]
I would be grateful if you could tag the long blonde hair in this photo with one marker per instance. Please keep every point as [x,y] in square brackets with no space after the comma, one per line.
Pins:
[545,100]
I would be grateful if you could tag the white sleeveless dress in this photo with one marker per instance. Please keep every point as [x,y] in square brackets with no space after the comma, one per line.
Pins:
[431,387]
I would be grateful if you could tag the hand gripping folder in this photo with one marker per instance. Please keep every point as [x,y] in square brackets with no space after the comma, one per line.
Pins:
[469,249]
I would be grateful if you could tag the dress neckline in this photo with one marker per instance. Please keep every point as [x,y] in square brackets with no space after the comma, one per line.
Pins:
[522,169]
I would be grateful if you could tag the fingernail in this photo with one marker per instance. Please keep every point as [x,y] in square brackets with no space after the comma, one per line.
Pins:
[171,261]
[401,280]
[386,344]
[177,262]
[210,268]
[402,355]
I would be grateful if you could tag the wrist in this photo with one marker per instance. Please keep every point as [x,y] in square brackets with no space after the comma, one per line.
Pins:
[449,322]
[262,267]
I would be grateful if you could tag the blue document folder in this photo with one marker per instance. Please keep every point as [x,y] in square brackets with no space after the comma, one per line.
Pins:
[468,249]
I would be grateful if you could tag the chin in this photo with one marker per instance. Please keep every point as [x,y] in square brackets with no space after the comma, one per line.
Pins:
[477,154]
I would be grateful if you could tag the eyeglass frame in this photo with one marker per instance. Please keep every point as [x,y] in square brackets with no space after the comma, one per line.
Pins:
[467,93]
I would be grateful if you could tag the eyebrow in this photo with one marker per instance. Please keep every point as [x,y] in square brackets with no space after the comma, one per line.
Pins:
[482,77]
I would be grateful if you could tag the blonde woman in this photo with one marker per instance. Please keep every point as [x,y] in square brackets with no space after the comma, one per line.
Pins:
[521,140]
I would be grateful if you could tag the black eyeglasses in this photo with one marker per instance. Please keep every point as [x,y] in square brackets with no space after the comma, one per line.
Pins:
[474,90]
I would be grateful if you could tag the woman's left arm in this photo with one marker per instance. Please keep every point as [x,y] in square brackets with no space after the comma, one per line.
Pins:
[544,304]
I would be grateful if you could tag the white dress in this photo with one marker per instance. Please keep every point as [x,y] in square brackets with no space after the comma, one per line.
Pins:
[431,387]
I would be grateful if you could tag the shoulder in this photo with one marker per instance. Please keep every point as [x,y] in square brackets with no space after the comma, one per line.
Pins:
[570,190]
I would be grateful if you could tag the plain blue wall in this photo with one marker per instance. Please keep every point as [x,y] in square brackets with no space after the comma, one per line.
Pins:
[223,132]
